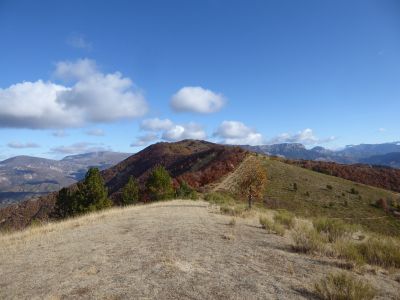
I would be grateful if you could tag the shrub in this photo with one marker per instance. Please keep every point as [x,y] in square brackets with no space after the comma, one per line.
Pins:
[130,192]
[307,194]
[307,240]
[159,184]
[285,218]
[343,286]
[271,227]
[185,191]
[334,229]
[329,187]
[353,191]
[232,210]
[295,186]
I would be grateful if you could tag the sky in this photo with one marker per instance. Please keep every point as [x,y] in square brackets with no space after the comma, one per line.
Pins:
[81,76]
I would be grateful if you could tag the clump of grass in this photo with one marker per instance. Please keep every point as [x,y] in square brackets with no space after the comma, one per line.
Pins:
[343,286]
[234,210]
[329,187]
[334,229]
[219,198]
[271,226]
[232,222]
[284,218]
[307,240]
[348,250]
[381,251]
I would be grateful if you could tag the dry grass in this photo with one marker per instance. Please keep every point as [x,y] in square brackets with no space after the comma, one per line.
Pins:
[271,226]
[284,218]
[333,229]
[343,286]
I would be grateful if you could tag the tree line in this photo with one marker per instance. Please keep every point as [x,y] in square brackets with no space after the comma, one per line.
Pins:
[91,194]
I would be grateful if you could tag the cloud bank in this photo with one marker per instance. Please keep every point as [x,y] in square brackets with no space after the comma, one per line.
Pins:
[17,145]
[92,97]
[197,100]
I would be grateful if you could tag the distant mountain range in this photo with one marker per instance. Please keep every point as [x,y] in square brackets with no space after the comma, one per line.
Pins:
[387,154]
[24,177]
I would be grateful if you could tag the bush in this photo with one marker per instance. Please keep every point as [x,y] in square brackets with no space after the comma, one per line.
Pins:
[232,210]
[329,187]
[185,191]
[307,240]
[285,218]
[271,227]
[343,286]
[159,184]
[334,229]
[353,191]
[130,192]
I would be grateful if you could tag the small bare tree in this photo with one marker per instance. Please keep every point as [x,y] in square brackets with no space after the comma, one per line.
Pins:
[253,180]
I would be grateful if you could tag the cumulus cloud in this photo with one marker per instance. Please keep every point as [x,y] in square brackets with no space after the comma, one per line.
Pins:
[79,41]
[165,129]
[145,140]
[237,133]
[156,124]
[78,148]
[96,132]
[197,99]
[182,132]
[92,97]
[17,145]
[305,137]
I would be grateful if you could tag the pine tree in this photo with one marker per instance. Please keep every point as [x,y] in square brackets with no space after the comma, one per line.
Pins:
[130,192]
[92,194]
[66,203]
[159,184]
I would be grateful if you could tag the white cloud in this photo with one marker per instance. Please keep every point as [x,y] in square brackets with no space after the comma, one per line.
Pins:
[78,41]
[182,132]
[156,124]
[78,148]
[93,97]
[96,132]
[17,145]
[145,140]
[197,99]
[169,131]
[237,133]
[305,137]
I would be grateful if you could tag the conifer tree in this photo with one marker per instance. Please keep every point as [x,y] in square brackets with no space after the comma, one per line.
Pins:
[159,184]
[130,192]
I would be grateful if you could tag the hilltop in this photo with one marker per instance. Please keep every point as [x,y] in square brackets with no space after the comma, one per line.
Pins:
[207,167]
[169,250]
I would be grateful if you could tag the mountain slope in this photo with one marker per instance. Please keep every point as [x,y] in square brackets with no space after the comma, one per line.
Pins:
[24,177]
[388,159]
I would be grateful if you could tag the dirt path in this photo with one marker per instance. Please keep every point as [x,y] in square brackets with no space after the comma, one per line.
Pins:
[169,250]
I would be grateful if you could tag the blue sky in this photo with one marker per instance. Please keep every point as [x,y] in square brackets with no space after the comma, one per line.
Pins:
[78,76]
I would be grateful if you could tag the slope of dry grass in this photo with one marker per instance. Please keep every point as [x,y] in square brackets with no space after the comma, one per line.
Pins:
[167,250]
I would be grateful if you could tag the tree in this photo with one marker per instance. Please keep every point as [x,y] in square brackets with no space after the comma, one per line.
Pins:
[253,180]
[159,184]
[65,203]
[130,192]
[90,195]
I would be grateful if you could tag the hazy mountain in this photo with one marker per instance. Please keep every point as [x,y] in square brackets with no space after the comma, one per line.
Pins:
[22,177]
[381,154]
[389,159]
